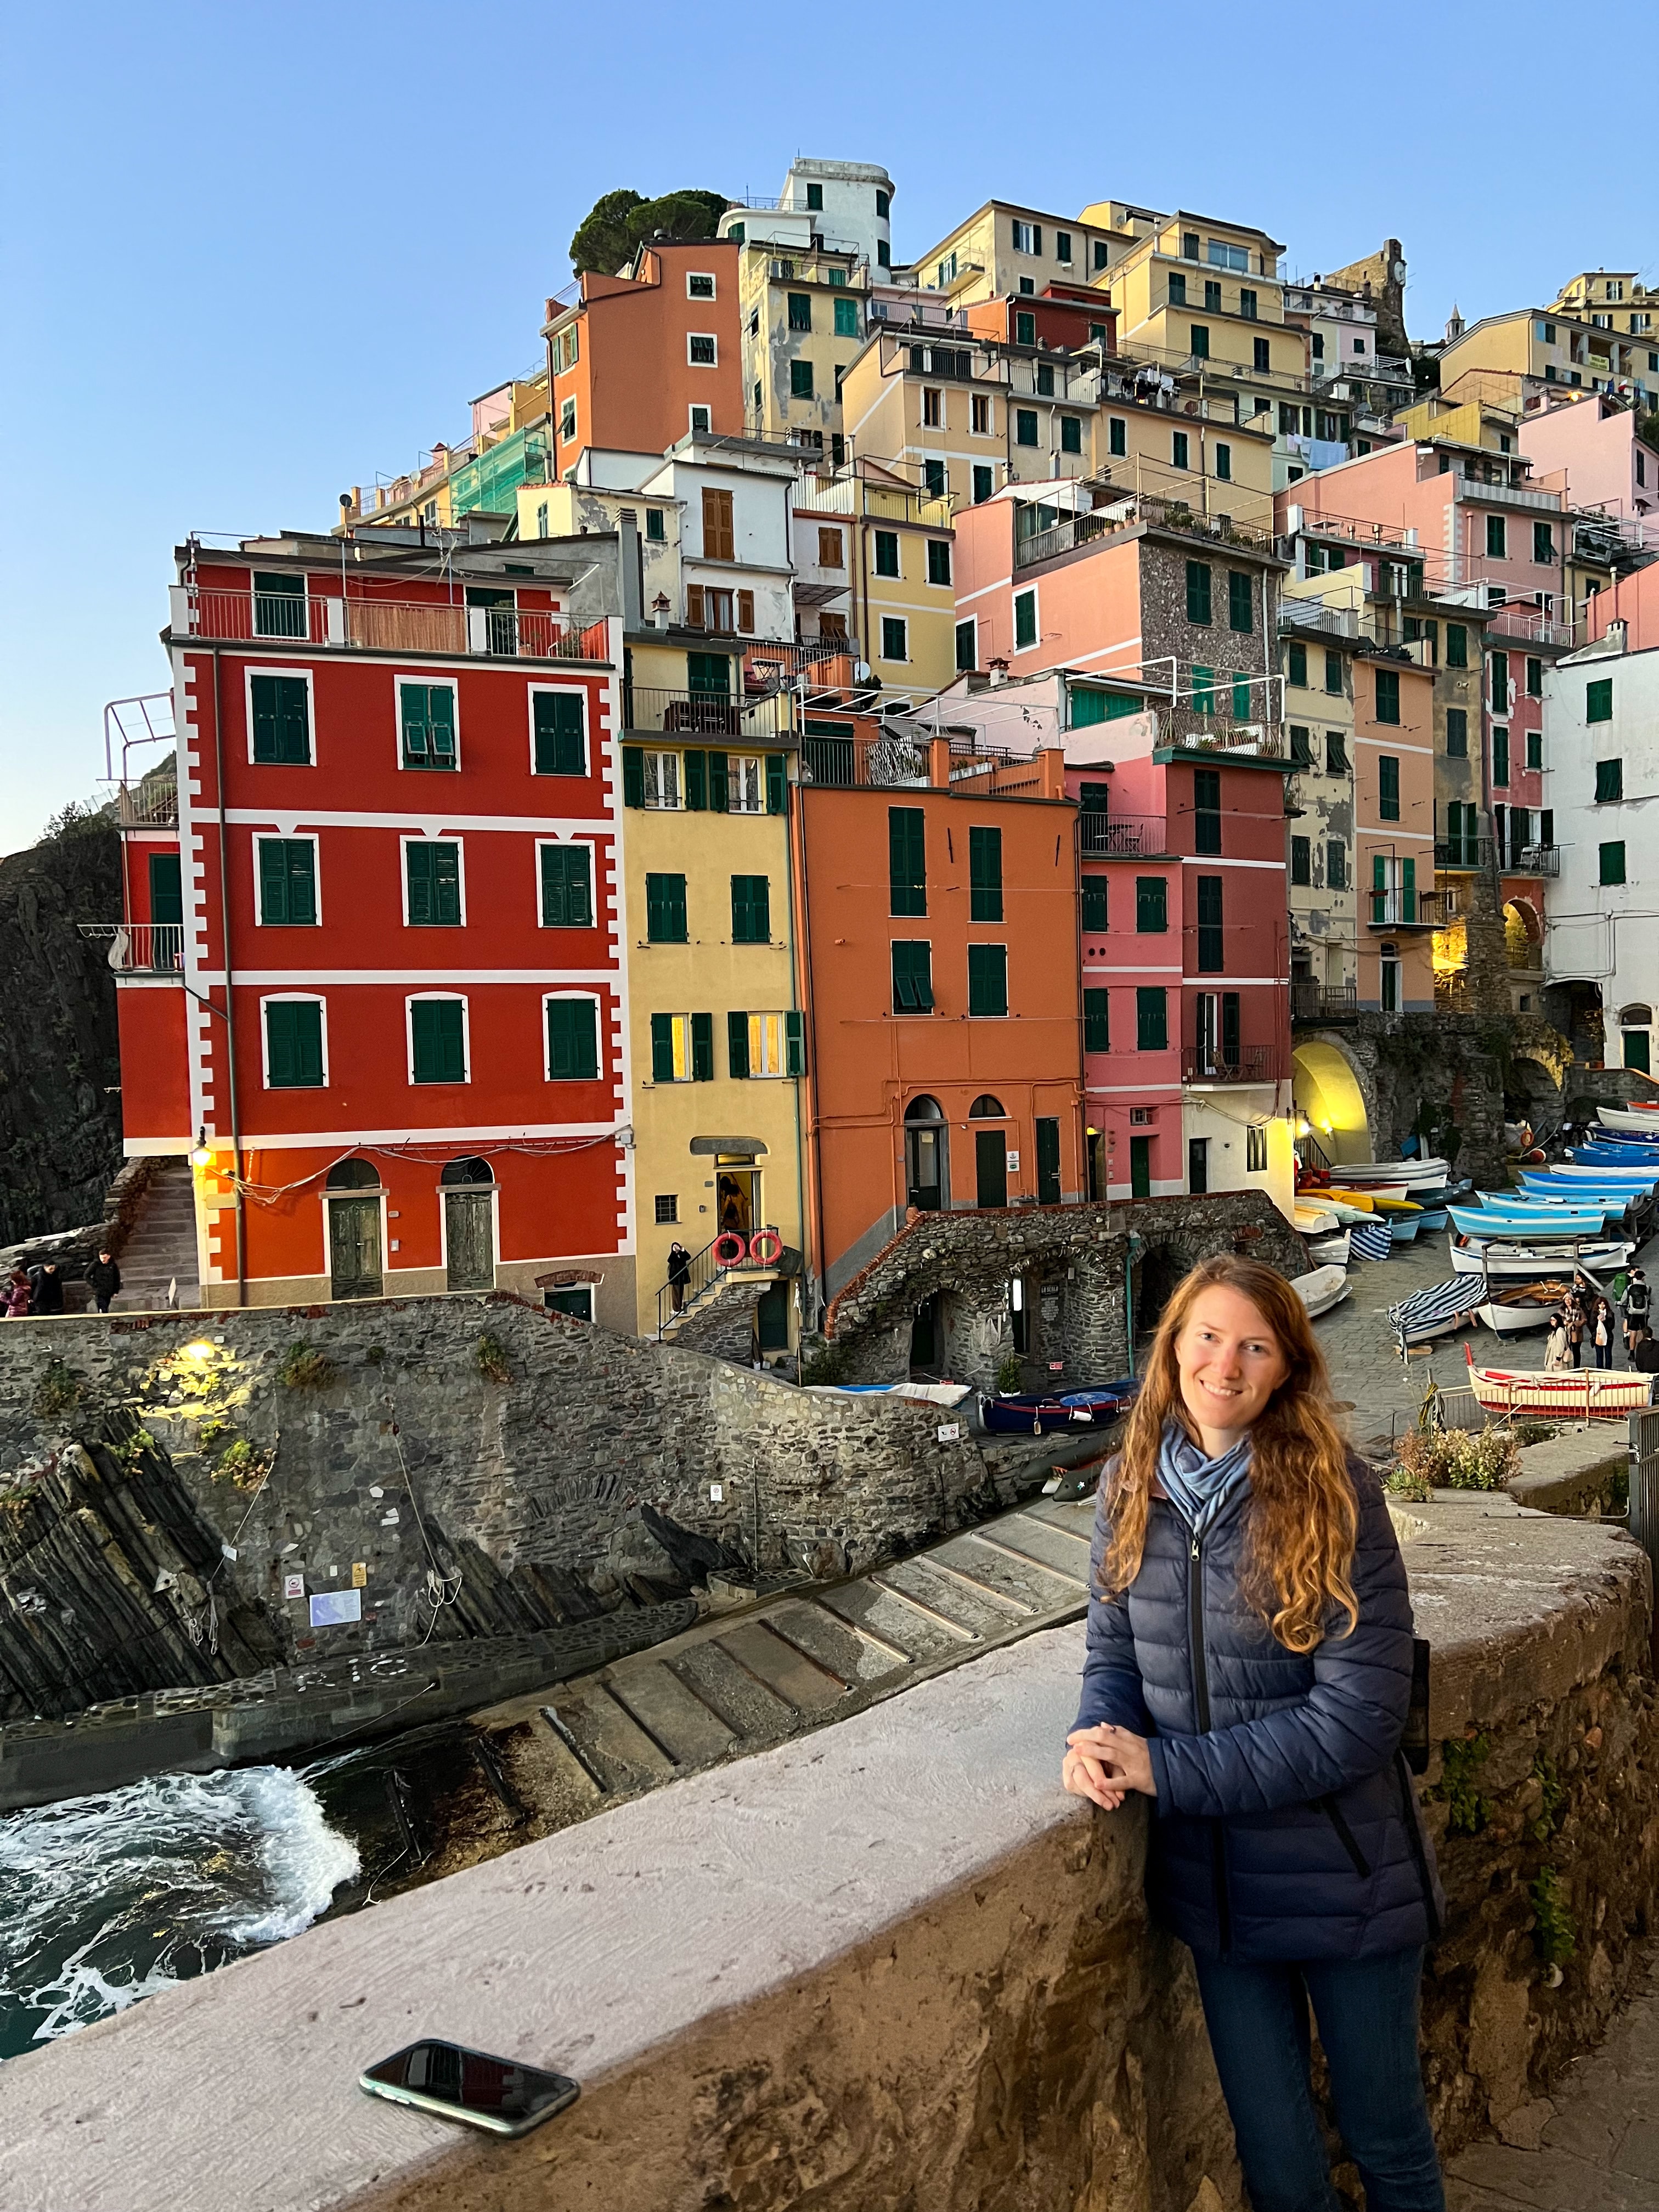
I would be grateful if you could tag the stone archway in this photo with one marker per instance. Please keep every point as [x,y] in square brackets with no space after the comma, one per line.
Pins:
[1334,1096]
[1532,1094]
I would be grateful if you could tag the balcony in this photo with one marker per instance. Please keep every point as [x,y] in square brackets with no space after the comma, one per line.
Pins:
[1497,494]
[1139,508]
[377,625]
[1250,1063]
[1313,1001]
[140,948]
[152,804]
[717,717]
[1409,909]
[1466,852]
[1113,836]
[1537,861]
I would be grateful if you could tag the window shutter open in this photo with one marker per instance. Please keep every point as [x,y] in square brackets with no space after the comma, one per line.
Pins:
[696,783]
[717,783]
[746,611]
[273,880]
[737,1044]
[413,697]
[440,721]
[633,776]
[662,1046]
[702,1048]
[694,607]
[794,1044]
[776,784]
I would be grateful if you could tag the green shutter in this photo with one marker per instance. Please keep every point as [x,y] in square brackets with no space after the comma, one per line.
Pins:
[566,887]
[776,782]
[573,1040]
[438,1032]
[287,881]
[434,882]
[794,1044]
[1151,1022]
[913,978]
[440,720]
[1203,690]
[985,874]
[1095,905]
[1151,905]
[1198,591]
[717,787]
[294,1044]
[1240,614]
[561,732]
[1598,700]
[1097,1021]
[281,720]
[1408,890]
[273,881]
[662,1044]
[694,783]
[412,700]
[702,1048]
[907,860]
[1387,787]
[167,890]
[665,909]
[634,776]
[987,979]
[752,922]
[737,1044]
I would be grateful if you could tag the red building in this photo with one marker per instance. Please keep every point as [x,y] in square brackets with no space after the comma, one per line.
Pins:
[372,976]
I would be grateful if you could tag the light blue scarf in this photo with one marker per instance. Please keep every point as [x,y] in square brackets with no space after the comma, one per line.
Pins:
[1197,1488]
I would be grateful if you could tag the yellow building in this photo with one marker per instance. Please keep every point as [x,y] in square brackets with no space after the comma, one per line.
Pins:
[715,1033]
[875,564]
[1003,248]
[1589,347]
[804,319]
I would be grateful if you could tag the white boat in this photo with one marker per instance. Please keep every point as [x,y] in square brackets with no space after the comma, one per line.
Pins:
[1519,1258]
[1642,1118]
[1538,1225]
[1641,1175]
[1314,1220]
[1321,1290]
[1529,1305]
[1599,1391]
[1332,1251]
[1429,1173]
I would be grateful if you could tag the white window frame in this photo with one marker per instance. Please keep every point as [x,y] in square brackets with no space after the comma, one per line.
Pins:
[981,402]
[950,563]
[648,753]
[531,689]
[739,763]
[681,1033]
[702,276]
[567,419]
[565,845]
[692,337]
[600,1037]
[410,1003]
[291,998]
[1024,238]
[698,407]
[1031,593]
[895,660]
[933,395]
[284,837]
[968,622]
[768,1023]
[449,684]
[459,843]
[248,674]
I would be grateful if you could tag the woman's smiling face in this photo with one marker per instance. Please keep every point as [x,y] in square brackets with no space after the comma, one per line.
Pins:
[1230,1363]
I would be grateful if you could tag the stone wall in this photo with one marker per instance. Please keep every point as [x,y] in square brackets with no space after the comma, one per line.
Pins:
[889,1967]
[1081,1268]
[508,1452]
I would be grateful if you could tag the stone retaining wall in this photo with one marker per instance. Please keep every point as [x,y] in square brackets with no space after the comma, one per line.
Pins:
[889,1967]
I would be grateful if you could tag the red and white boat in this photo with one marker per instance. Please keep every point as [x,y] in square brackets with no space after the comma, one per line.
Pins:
[1578,1391]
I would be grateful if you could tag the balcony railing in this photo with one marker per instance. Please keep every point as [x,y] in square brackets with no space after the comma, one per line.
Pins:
[1075,530]
[1408,910]
[1462,852]
[153,948]
[1538,861]
[857,763]
[1191,727]
[708,717]
[1497,494]
[148,805]
[1313,1001]
[1250,1063]
[1105,836]
[375,625]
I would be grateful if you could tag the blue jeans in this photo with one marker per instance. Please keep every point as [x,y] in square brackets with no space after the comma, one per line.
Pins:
[1366,2009]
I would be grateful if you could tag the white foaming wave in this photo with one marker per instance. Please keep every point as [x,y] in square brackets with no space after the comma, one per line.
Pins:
[305,1860]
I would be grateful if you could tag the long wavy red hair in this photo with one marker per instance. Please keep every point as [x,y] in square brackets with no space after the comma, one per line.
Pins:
[1303,1516]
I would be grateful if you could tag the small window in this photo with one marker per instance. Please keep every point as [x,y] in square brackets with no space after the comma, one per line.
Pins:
[1097,1021]
[1198,591]
[426,714]
[1045,380]
[1117,435]
[567,421]
[1151,905]
[1262,355]
[1096,907]
[1535,749]
[1240,614]
[913,978]
[1223,464]
[830,548]
[938,561]
[1200,346]
[751,912]
[280,709]
[1024,327]
[667,1205]
[1296,663]
[1177,287]
[895,638]
[887,552]
[983,483]
[1609,781]
[1336,753]
[567,886]
[883,205]
[985,874]
[934,479]
[801,311]
[967,646]
[699,285]
[432,882]
[287,882]
[1152,1019]
[701,349]
[1180,449]
[294,1044]
[1025,621]
[1387,787]
[979,411]
[800,379]
[1063,245]
[1500,757]
[1534,678]
[559,727]
[1543,540]
[987,980]
[1025,425]
[1336,866]
[437,1040]
[1333,674]
[1457,645]
[665,909]
[1497,538]
[1612,863]
[815,199]
[1457,733]
[933,407]
[1301,746]
[1388,695]
[1301,860]
[1070,434]
[846,318]
[1598,700]
[572,1041]
[697,421]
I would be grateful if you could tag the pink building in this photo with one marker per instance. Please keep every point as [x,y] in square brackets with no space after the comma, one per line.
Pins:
[1594,444]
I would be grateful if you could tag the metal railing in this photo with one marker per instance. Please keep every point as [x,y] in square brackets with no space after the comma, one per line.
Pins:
[710,717]
[861,763]
[1403,909]
[1102,836]
[704,1271]
[1250,1063]
[1313,1001]
[377,625]
[826,663]
[1192,727]
[1462,852]
[155,948]
[148,805]
[1538,861]
[1150,507]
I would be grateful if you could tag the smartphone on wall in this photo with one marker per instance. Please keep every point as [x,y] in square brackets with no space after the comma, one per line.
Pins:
[470,2086]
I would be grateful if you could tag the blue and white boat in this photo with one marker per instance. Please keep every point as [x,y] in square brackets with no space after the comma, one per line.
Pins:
[1529,1224]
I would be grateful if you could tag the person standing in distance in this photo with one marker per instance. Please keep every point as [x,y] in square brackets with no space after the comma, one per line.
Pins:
[1249,1668]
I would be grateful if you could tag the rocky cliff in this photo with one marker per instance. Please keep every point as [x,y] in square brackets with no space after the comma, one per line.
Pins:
[60,1104]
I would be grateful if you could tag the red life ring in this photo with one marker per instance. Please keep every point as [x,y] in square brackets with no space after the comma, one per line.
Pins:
[772,1243]
[729,1248]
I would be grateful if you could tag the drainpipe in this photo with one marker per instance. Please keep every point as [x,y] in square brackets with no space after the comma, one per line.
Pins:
[230,1005]
[797,831]
[795,1006]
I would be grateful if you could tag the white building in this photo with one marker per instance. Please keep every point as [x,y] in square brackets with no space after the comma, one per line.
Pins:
[829,204]
[1600,780]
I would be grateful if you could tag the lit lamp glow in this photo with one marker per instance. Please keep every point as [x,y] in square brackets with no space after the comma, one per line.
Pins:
[201,1154]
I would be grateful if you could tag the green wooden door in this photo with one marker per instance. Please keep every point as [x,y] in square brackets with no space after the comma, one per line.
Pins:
[991,1167]
[1047,1162]
[353,1247]
[469,1240]
[1141,1167]
[772,1318]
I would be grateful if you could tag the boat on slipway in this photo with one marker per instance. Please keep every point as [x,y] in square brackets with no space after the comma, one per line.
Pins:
[1518,1257]
[1602,1393]
[1522,1306]
[1321,1290]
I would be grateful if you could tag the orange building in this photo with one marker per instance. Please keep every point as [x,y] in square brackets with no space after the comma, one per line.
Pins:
[637,362]
[938,950]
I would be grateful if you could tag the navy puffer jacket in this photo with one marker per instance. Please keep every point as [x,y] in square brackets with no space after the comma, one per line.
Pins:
[1286,1824]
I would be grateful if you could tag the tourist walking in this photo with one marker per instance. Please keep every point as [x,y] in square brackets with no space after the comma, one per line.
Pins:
[1555,1347]
[1249,1667]
[679,1272]
[1638,1308]
[46,1288]
[103,1279]
[1574,1314]
[20,1293]
[1601,1333]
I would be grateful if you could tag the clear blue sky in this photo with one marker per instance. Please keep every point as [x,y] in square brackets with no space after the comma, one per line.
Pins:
[248,257]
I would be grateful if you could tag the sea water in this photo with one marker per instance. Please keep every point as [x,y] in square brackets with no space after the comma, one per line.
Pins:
[106,1899]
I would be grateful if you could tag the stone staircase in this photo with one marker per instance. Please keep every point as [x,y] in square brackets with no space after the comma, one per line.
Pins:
[160,1248]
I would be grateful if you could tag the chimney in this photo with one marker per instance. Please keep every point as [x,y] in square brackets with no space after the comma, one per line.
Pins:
[999,672]
[659,610]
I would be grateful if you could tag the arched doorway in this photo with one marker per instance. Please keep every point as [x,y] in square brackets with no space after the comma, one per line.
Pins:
[469,1193]
[1636,1037]
[1532,1095]
[1329,1100]
[927,1155]
[990,1152]
[352,1202]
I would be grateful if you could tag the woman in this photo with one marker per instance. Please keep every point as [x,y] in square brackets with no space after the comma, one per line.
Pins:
[1573,1315]
[1249,1668]
[1603,1333]
[1555,1345]
[19,1293]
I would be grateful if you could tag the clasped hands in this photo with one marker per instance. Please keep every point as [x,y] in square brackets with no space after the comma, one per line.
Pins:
[1105,1764]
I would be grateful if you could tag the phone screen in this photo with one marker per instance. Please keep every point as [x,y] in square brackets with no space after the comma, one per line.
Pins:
[472,2085]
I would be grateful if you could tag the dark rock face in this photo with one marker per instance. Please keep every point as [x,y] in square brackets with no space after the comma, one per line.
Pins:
[60,1070]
